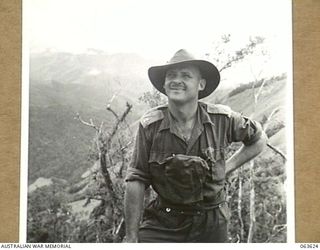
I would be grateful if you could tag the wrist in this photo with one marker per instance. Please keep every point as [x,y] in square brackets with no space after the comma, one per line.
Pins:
[230,167]
[131,239]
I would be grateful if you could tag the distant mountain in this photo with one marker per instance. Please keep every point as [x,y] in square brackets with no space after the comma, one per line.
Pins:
[114,71]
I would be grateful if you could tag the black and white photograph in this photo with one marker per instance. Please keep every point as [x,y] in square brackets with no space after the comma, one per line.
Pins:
[157,122]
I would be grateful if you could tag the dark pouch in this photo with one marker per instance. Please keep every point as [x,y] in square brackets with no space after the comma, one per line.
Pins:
[184,178]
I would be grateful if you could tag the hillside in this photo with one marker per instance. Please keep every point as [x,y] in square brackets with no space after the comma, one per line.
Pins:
[62,85]
[273,98]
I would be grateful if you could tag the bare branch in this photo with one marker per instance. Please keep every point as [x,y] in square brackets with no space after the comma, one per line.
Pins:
[113,112]
[242,53]
[256,96]
[100,128]
[91,124]
[252,204]
[122,148]
[121,119]
[266,124]
[240,205]
[278,151]
[114,95]
[119,226]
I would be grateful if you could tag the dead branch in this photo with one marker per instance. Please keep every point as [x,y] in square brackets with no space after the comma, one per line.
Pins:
[113,112]
[121,119]
[240,205]
[119,226]
[278,151]
[242,53]
[238,239]
[266,124]
[252,204]
[91,124]
[256,96]
[106,176]
[122,159]
[114,95]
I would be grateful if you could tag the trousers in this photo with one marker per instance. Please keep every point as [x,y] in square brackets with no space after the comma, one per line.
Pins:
[166,225]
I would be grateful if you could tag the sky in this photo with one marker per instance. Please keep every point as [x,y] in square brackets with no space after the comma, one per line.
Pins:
[155,29]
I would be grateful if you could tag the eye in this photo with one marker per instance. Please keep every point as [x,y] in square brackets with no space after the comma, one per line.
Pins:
[170,74]
[186,75]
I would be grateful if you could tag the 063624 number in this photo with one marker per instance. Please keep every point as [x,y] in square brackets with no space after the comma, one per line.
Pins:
[309,245]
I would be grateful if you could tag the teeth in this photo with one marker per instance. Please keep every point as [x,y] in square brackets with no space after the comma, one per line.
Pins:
[177,87]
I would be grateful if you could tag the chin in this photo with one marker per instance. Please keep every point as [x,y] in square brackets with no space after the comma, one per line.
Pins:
[175,97]
[179,99]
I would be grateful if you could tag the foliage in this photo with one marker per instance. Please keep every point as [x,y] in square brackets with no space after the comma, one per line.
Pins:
[270,201]
[224,57]
[152,98]
[255,84]
[49,218]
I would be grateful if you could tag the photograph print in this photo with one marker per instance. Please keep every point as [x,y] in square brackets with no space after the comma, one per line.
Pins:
[157,121]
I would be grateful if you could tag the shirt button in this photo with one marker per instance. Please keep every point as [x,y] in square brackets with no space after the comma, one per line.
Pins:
[168,209]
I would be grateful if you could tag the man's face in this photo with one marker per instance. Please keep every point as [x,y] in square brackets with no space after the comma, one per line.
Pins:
[183,83]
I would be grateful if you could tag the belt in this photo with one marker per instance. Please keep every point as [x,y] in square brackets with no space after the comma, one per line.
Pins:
[175,211]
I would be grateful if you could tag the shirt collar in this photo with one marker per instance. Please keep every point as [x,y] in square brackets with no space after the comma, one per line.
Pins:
[202,115]
[165,123]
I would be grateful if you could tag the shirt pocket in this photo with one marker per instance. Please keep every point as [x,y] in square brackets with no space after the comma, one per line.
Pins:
[157,168]
[215,157]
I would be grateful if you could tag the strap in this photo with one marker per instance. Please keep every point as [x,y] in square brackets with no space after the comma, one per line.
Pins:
[171,210]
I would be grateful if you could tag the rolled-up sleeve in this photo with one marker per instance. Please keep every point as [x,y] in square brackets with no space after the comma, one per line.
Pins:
[138,169]
[243,129]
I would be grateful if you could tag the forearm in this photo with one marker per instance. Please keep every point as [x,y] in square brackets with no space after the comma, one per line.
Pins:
[133,205]
[245,154]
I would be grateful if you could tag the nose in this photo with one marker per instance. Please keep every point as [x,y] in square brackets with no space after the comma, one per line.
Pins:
[176,83]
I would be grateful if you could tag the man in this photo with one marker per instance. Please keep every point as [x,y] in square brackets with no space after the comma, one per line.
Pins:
[180,151]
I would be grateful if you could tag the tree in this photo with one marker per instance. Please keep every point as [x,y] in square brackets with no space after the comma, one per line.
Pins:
[111,147]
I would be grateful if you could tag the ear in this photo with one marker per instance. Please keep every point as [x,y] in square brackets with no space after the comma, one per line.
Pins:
[202,84]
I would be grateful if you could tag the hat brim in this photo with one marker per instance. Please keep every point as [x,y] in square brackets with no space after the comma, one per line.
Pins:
[208,71]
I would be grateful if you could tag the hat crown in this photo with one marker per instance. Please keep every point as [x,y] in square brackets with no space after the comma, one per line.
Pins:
[181,56]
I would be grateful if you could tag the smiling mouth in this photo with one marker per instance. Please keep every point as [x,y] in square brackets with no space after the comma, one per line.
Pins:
[176,87]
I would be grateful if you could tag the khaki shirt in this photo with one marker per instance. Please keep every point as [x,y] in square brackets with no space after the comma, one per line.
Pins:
[216,127]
